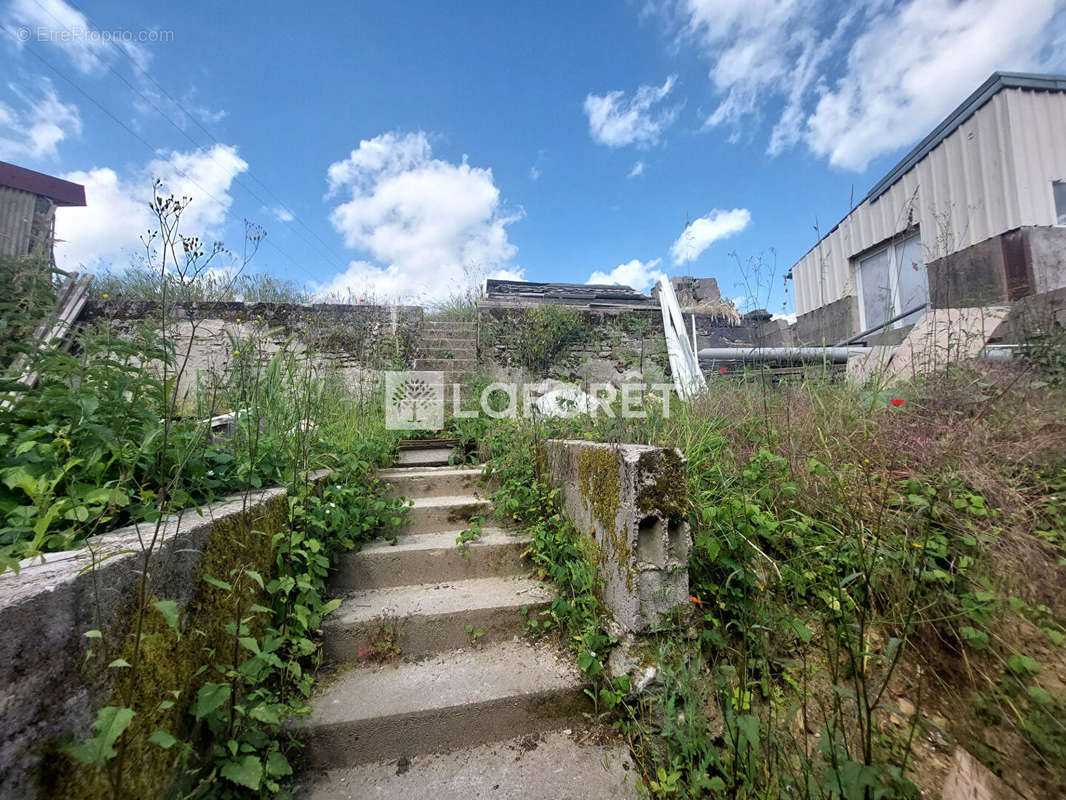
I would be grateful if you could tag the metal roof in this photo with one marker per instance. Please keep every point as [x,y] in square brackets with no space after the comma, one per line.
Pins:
[498,291]
[59,191]
[970,106]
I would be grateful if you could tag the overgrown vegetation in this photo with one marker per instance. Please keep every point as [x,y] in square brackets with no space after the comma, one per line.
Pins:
[873,580]
[118,431]
[536,336]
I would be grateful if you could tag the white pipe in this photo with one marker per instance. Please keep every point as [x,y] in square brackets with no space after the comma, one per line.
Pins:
[834,354]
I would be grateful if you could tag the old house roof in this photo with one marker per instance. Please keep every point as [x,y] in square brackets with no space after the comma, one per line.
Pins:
[59,191]
[500,292]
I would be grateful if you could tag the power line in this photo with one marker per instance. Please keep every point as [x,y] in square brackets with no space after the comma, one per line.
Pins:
[341,262]
[134,134]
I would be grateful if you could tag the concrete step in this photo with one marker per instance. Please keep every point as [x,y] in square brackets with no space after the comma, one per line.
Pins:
[425,457]
[460,346]
[431,481]
[445,513]
[459,699]
[439,325]
[429,558]
[433,617]
[548,766]
[445,364]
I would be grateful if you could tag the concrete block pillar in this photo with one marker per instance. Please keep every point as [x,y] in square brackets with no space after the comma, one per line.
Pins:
[631,500]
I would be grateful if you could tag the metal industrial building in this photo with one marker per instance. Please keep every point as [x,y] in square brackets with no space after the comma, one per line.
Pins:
[28,201]
[974,215]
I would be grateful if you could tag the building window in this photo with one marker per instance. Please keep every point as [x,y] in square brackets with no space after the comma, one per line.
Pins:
[892,280]
[1059,190]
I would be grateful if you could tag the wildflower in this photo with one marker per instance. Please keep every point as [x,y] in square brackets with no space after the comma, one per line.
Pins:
[724,370]
[696,600]
[897,401]
[362,299]
[105,295]
[236,352]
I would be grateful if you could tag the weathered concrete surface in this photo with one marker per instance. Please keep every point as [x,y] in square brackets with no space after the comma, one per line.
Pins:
[46,689]
[458,699]
[870,367]
[432,481]
[425,457]
[944,336]
[357,339]
[445,513]
[429,558]
[549,766]
[971,780]
[632,501]
[828,324]
[432,618]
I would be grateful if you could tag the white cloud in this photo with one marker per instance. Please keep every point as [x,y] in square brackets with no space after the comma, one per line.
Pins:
[616,121]
[703,232]
[790,317]
[62,26]
[281,213]
[910,67]
[638,169]
[534,173]
[36,130]
[508,274]
[640,275]
[427,221]
[107,231]
[878,78]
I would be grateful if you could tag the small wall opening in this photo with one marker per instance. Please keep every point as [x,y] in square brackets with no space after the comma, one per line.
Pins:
[675,538]
[650,548]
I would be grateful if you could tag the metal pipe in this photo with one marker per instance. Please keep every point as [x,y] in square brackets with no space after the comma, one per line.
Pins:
[884,324]
[836,355]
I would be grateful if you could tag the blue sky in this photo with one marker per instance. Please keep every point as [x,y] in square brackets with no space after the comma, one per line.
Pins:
[415,144]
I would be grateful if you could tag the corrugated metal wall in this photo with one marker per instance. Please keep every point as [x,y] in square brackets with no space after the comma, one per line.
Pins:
[989,176]
[1038,129]
[16,220]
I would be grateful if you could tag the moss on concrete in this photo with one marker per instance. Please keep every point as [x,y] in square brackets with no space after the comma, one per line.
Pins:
[170,662]
[665,487]
[600,485]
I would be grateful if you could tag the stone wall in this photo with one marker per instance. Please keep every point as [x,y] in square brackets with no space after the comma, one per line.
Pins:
[356,340]
[50,689]
[608,346]
[631,501]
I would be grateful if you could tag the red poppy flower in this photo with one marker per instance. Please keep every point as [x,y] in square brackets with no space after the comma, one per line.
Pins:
[897,401]
[723,370]
[696,600]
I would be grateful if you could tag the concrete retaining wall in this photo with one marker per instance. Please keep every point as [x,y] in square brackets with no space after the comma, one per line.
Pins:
[356,340]
[49,689]
[631,500]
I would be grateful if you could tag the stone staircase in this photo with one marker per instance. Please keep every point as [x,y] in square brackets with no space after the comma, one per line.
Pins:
[448,347]
[469,708]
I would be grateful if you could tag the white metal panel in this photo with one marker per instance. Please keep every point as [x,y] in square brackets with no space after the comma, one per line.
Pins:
[1038,125]
[964,191]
